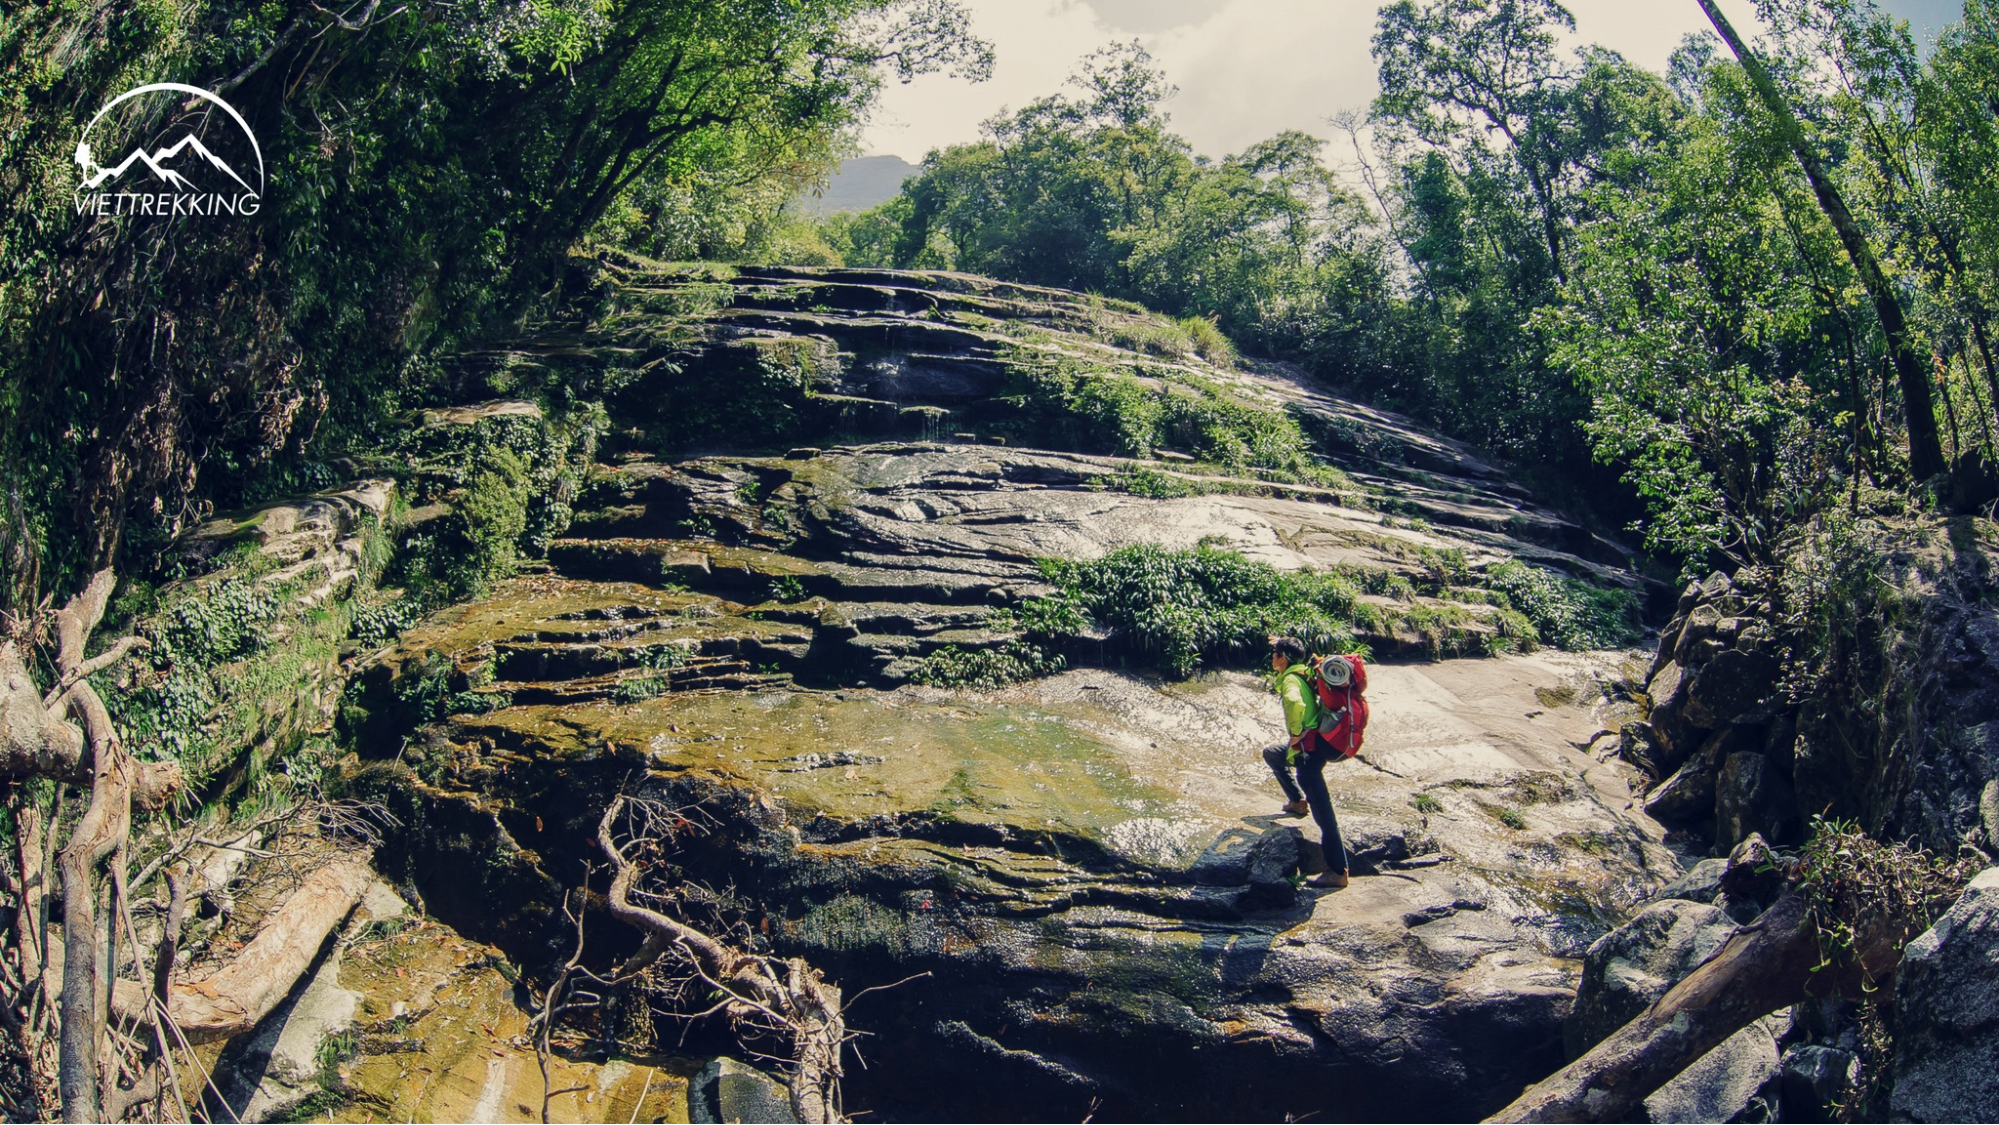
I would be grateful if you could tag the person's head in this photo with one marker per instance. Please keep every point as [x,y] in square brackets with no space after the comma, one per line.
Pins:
[1285,651]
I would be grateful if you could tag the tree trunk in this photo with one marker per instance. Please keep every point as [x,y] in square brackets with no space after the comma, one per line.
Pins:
[822,1030]
[1925,447]
[239,996]
[287,943]
[1772,963]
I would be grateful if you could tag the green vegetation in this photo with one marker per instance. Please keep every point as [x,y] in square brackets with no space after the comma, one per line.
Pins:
[1602,263]
[1042,625]
[1063,400]
[986,668]
[1150,484]
[1563,612]
[1181,608]
[234,660]
[393,233]
[491,491]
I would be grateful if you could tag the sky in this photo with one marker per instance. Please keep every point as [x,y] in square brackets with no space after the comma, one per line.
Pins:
[1245,68]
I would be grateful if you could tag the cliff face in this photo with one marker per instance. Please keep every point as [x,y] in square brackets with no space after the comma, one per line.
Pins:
[1859,681]
[818,571]
[821,497]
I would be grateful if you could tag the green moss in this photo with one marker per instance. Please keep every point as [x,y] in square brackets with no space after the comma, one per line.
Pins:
[851,923]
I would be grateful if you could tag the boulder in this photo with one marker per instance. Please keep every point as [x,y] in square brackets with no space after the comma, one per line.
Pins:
[1752,796]
[1686,796]
[1753,636]
[1669,639]
[1629,968]
[1701,883]
[1730,684]
[1689,598]
[1664,686]
[1671,737]
[1700,626]
[1736,1081]
[1814,1078]
[728,1091]
[1947,1044]
[1751,882]
[1638,743]
[1260,862]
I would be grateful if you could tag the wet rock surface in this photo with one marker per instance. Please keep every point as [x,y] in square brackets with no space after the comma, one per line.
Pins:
[1090,866]
[1083,881]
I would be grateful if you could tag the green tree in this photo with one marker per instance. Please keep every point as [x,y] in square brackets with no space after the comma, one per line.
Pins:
[1454,70]
[430,166]
[1925,449]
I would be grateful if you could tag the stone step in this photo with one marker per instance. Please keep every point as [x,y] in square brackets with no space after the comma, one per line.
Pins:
[910,619]
[632,685]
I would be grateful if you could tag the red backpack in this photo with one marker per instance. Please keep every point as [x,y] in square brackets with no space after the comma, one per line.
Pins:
[1342,708]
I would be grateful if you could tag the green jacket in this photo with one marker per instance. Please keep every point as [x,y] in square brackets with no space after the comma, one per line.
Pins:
[1301,702]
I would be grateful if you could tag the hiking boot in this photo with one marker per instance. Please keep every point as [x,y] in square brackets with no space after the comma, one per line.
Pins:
[1296,808]
[1332,879]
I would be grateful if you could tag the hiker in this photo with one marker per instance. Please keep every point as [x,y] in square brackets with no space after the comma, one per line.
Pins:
[1317,734]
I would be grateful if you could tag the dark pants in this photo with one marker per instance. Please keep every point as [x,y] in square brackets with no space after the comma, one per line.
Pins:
[1311,777]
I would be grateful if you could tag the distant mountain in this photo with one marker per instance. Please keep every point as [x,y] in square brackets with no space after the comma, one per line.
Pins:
[860,184]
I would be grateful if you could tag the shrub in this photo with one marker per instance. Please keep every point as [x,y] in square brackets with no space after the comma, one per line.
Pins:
[1565,612]
[1071,401]
[986,668]
[494,511]
[1210,343]
[1181,608]
[1148,483]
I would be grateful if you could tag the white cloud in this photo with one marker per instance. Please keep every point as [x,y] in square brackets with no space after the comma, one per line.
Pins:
[1245,68]
[1259,66]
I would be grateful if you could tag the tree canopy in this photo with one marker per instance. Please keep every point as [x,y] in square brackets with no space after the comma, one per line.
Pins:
[430,165]
[1747,286]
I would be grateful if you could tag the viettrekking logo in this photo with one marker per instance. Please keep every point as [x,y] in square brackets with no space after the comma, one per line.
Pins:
[181,176]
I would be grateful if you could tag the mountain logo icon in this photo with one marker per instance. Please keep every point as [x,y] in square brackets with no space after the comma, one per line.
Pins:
[182,176]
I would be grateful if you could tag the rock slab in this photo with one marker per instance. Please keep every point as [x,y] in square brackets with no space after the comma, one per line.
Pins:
[1629,968]
[1947,1051]
[729,1091]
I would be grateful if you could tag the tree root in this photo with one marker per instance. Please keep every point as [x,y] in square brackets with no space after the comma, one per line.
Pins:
[785,996]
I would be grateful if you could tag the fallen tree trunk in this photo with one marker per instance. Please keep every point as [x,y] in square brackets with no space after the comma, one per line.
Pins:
[1770,964]
[1763,966]
[239,996]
